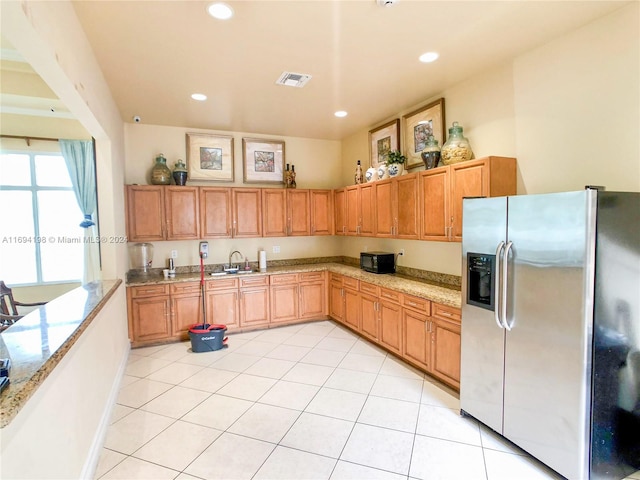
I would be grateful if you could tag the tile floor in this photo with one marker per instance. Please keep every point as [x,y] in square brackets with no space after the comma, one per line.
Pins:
[310,401]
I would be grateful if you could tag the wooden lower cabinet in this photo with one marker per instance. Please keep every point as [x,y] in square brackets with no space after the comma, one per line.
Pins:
[391,326]
[446,344]
[284,296]
[370,321]
[336,300]
[313,297]
[222,302]
[149,318]
[254,301]
[352,313]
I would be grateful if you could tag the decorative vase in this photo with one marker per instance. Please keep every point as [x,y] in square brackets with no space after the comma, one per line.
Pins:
[395,169]
[383,172]
[431,153]
[358,178]
[160,173]
[180,173]
[456,148]
[371,174]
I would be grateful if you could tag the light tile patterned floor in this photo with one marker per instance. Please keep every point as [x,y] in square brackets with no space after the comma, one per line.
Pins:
[310,401]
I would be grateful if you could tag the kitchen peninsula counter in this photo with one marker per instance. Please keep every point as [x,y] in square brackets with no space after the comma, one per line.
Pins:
[445,294]
[38,342]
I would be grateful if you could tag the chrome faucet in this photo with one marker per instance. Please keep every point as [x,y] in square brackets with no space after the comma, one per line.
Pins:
[231,256]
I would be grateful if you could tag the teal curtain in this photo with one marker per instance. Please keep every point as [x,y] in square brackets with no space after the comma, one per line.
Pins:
[78,155]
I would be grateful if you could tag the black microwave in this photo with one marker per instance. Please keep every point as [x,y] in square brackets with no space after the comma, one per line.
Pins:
[377,262]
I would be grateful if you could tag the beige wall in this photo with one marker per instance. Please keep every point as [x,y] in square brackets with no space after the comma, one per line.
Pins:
[568,111]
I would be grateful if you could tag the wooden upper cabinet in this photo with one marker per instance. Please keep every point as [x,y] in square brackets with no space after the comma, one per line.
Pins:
[352,209]
[321,210]
[215,212]
[247,212]
[385,209]
[406,206]
[340,214]
[298,220]
[274,212]
[145,213]
[182,207]
[443,190]
[367,209]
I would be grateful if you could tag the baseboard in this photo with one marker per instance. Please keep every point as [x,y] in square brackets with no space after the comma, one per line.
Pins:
[91,463]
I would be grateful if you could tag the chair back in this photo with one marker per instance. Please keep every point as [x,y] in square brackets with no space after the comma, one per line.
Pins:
[7,301]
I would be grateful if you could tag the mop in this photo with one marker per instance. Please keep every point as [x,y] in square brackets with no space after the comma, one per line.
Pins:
[205,337]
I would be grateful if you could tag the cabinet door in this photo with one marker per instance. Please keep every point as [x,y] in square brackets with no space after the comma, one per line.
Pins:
[222,308]
[254,306]
[150,318]
[298,212]
[247,212]
[369,323]
[468,179]
[182,207]
[312,300]
[145,213]
[434,197]
[274,212]
[406,207]
[391,326]
[417,337]
[352,208]
[367,210]
[385,208]
[186,310]
[352,308]
[284,303]
[336,301]
[215,212]
[321,212]
[340,213]
[446,351]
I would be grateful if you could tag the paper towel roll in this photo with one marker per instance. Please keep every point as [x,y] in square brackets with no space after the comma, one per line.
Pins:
[262,260]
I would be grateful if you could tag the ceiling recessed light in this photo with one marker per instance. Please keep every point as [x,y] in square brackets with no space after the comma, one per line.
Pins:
[340,113]
[429,57]
[201,97]
[220,10]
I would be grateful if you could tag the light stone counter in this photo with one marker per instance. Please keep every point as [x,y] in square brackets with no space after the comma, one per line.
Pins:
[38,341]
[439,293]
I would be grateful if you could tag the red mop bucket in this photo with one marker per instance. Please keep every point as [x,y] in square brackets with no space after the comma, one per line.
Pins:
[207,338]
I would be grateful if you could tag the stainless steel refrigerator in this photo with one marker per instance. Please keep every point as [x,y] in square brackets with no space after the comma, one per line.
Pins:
[551,327]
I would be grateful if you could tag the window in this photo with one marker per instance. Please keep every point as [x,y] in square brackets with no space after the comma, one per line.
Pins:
[40,237]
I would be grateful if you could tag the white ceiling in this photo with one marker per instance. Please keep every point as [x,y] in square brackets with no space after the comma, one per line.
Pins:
[362,58]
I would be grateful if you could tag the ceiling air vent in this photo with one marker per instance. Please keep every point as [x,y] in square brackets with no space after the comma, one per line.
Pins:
[290,79]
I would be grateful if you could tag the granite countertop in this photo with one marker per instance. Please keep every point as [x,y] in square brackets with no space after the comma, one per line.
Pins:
[39,340]
[430,290]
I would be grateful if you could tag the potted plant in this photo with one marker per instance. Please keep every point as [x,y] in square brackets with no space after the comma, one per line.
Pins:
[395,163]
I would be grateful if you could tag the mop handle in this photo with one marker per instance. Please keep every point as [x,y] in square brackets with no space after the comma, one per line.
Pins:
[201,270]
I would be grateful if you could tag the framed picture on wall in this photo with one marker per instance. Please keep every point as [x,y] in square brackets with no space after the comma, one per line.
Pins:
[382,140]
[210,157]
[418,126]
[263,160]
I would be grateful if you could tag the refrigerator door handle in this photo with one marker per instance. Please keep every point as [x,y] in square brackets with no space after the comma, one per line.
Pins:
[505,283]
[496,309]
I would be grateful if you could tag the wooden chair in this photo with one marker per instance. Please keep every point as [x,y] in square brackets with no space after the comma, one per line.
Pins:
[9,307]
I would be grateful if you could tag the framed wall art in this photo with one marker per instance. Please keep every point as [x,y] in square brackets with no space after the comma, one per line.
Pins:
[210,157]
[263,160]
[417,126]
[382,140]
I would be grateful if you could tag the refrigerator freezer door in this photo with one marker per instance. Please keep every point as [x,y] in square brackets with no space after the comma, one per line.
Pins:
[548,350]
[482,357]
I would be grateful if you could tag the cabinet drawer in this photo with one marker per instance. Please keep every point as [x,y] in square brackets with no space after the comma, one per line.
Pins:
[447,313]
[311,276]
[262,280]
[335,277]
[222,284]
[149,291]
[390,295]
[369,288]
[189,287]
[419,304]
[284,279]
[349,282]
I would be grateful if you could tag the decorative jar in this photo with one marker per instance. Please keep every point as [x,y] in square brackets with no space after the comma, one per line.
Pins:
[431,153]
[395,169]
[180,173]
[383,172]
[456,148]
[160,173]
[371,174]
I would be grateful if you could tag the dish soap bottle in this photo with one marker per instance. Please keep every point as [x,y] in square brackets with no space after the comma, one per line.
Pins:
[358,176]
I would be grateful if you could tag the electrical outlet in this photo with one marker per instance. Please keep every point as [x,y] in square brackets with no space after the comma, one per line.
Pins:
[174,253]
[276,249]
[401,252]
